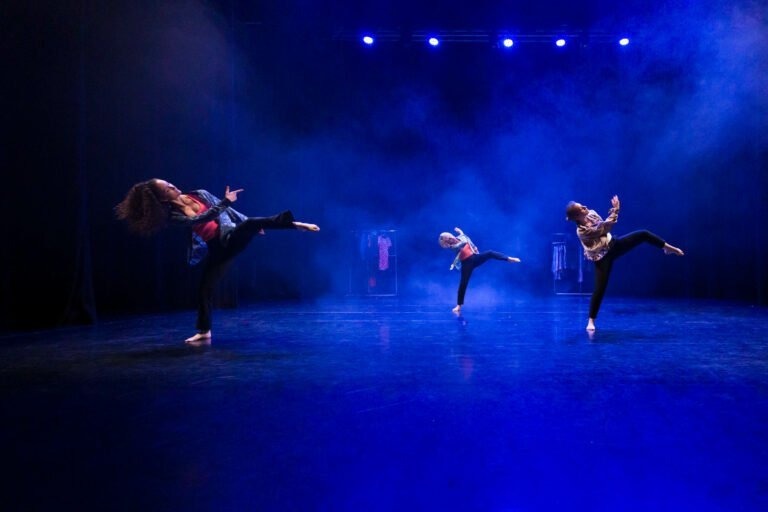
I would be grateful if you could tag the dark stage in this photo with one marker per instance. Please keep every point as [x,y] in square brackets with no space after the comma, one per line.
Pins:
[385,404]
[342,381]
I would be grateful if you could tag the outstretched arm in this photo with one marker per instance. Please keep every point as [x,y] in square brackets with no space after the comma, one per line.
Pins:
[613,214]
[455,262]
[602,227]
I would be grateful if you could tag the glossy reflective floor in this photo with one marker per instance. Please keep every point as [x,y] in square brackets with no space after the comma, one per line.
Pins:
[383,404]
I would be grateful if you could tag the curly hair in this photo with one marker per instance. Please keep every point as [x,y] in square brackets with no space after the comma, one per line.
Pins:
[142,210]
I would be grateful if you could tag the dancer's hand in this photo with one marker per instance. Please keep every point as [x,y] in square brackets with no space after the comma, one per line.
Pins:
[231,194]
[458,230]
[615,202]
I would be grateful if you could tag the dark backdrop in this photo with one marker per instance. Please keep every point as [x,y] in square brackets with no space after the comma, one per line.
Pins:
[273,97]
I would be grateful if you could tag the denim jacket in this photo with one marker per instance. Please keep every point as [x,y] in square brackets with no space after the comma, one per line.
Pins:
[219,210]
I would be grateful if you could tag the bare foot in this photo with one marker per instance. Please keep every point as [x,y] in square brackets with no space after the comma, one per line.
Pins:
[513,260]
[671,249]
[201,338]
[457,310]
[591,325]
[304,226]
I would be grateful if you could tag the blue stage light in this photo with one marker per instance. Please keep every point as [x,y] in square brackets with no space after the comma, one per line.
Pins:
[433,41]
[560,42]
[624,41]
[507,42]
[368,40]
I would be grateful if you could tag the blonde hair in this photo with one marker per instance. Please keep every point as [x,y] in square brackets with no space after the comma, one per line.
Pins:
[443,238]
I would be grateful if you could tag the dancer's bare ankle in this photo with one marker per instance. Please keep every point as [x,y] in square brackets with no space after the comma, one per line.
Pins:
[671,249]
[457,310]
[201,338]
[591,324]
[305,226]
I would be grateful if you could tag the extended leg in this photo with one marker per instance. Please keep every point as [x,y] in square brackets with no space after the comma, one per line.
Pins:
[479,259]
[239,238]
[626,243]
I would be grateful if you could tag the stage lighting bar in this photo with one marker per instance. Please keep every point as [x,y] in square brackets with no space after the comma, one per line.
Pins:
[503,39]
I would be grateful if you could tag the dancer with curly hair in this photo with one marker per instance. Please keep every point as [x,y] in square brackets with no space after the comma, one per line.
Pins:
[219,232]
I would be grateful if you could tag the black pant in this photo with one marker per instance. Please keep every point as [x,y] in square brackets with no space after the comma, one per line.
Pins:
[222,249]
[619,247]
[469,265]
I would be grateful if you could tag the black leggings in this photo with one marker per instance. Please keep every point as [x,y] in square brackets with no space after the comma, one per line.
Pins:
[221,251]
[619,247]
[470,264]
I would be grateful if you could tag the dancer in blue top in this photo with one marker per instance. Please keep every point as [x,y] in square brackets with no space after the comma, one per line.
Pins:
[218,230]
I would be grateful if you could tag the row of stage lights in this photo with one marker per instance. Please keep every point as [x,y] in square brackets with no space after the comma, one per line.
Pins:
[507,42]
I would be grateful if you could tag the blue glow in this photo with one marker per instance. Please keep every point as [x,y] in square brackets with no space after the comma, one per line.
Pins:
[560,42]
[368,40]
[624,41]
[507,42]
[433,41]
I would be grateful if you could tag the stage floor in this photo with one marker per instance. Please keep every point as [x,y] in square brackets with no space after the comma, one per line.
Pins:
[385,404]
